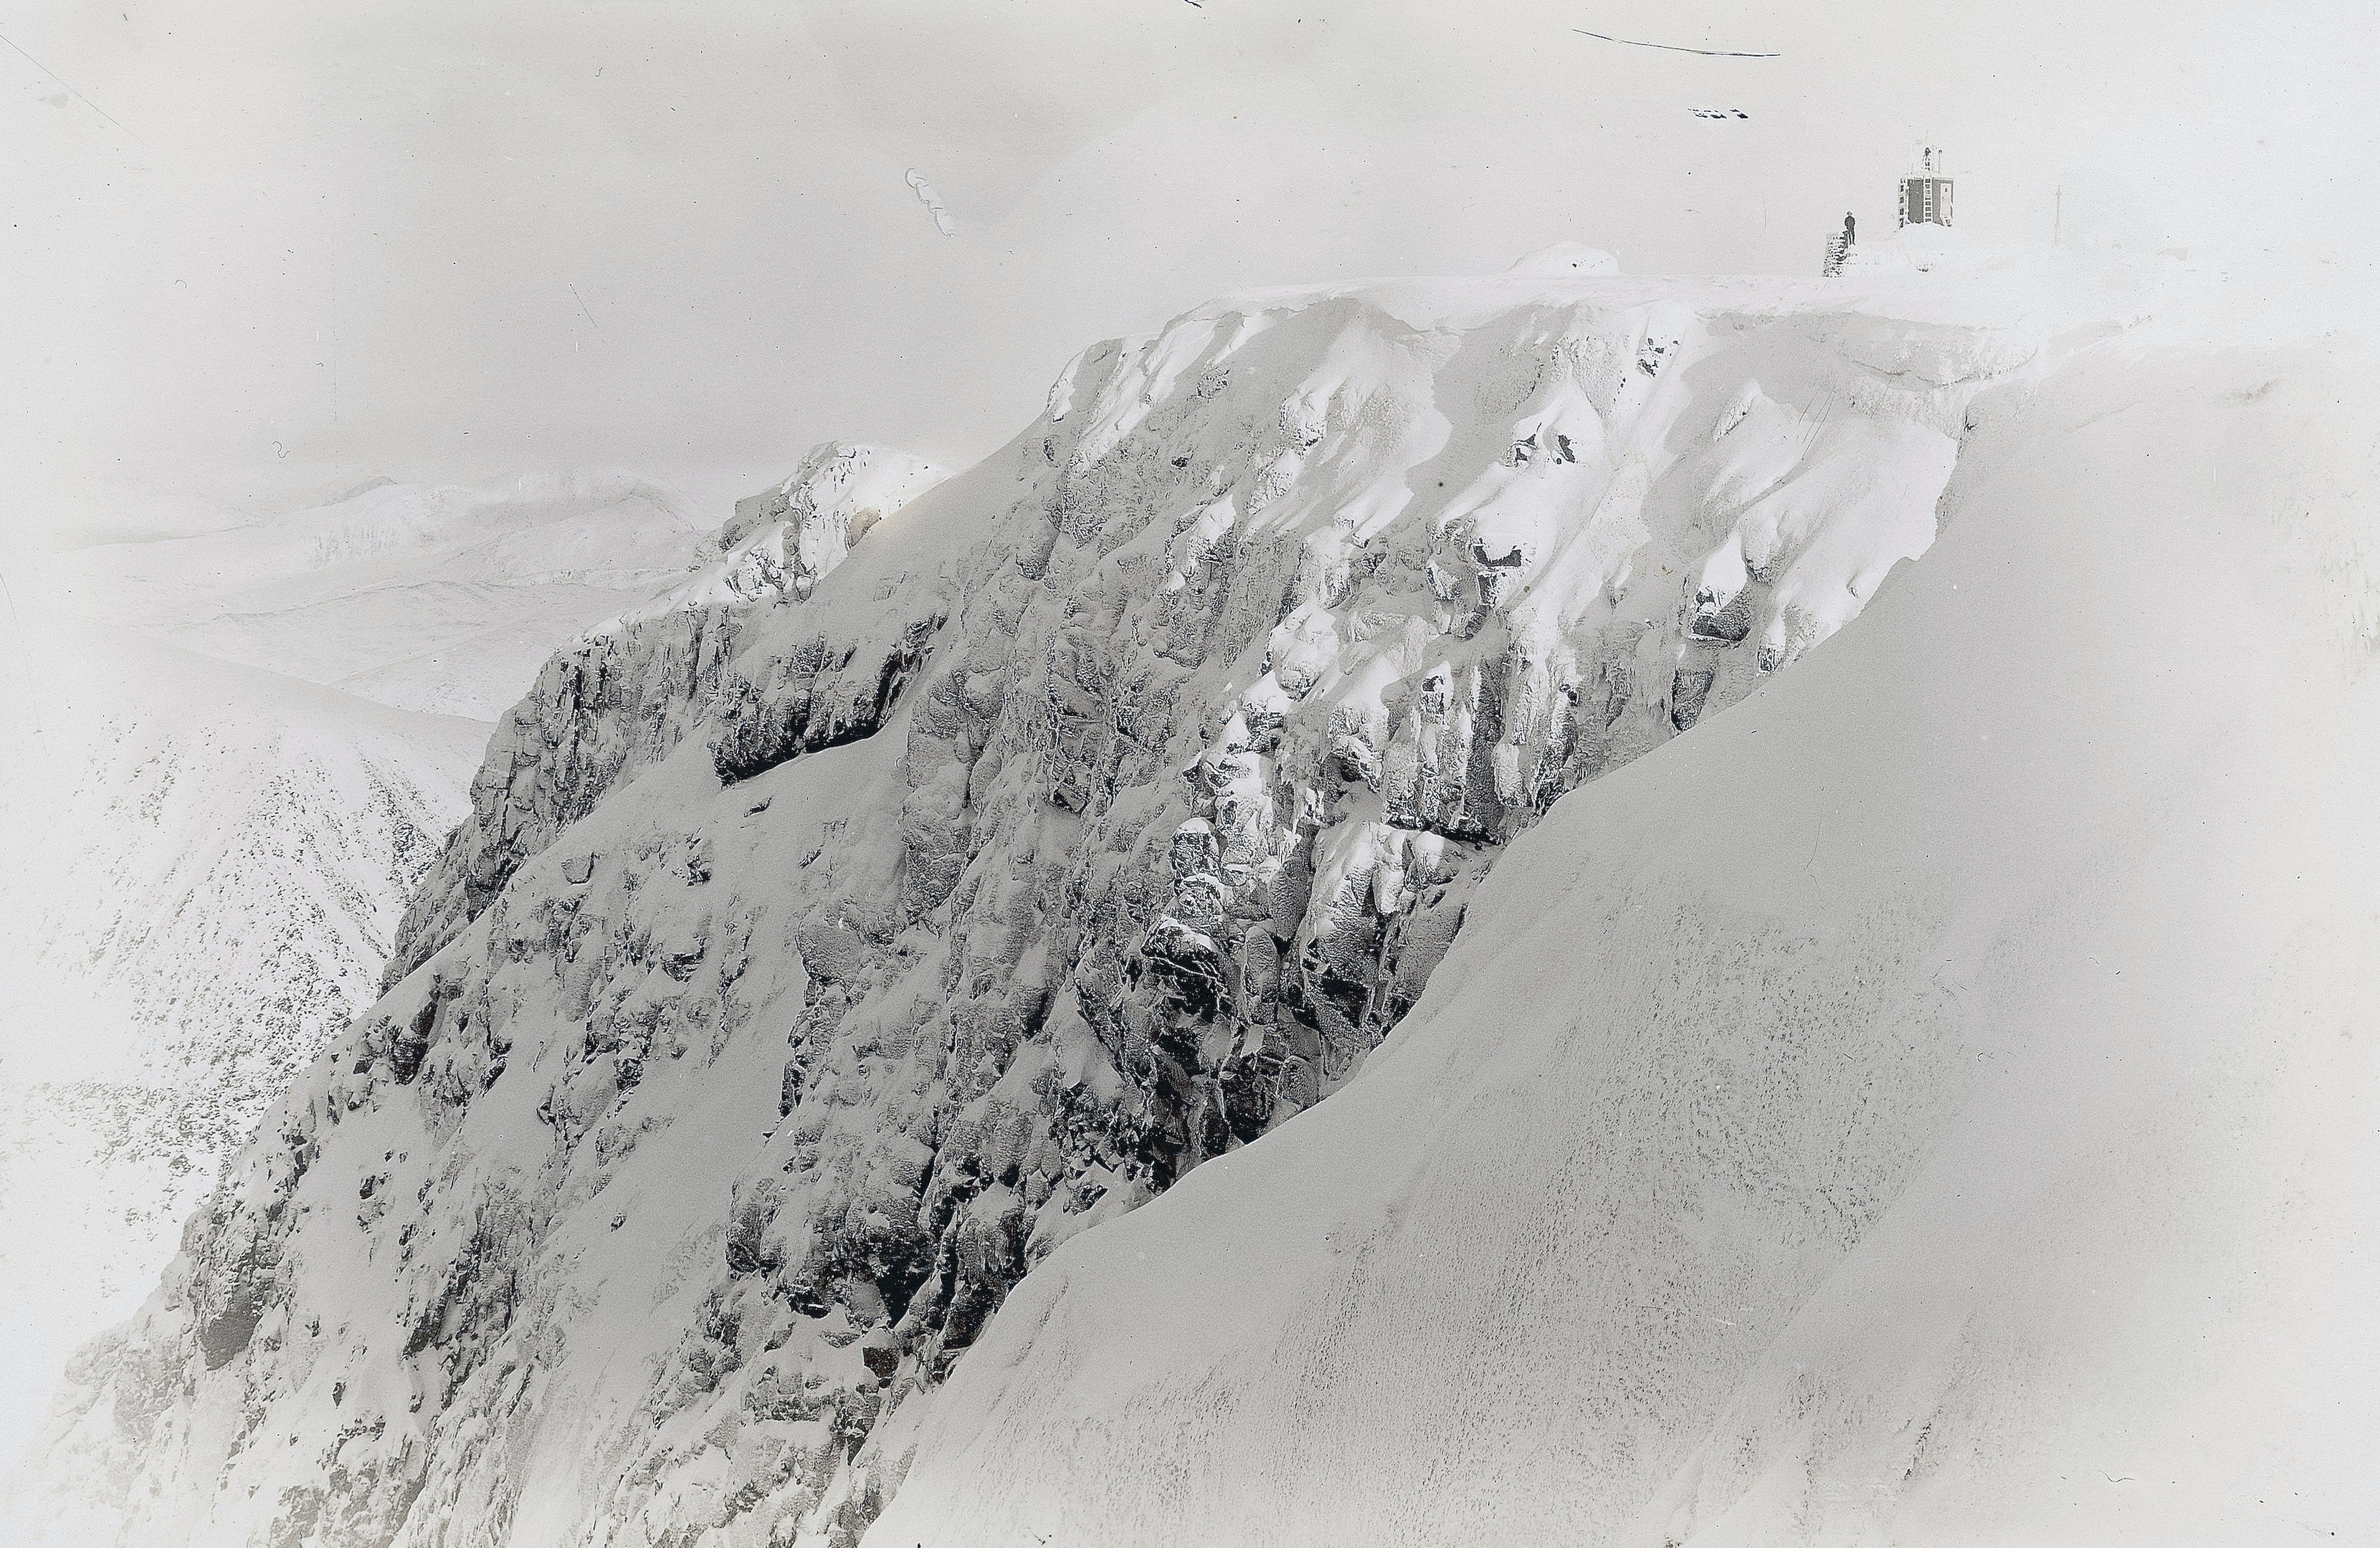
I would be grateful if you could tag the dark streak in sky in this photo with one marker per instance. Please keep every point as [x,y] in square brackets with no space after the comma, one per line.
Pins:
[1674,48]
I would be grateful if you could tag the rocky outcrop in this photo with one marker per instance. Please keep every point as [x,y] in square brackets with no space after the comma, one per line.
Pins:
[1084,824]
[783,540]
[620,699]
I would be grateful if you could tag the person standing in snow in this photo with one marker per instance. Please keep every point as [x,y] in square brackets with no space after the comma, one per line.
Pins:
[1838,245]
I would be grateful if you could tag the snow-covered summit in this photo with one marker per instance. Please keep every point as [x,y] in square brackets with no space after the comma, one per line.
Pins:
[808,973]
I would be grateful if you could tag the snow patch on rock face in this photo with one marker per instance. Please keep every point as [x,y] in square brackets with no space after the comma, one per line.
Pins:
[806,972]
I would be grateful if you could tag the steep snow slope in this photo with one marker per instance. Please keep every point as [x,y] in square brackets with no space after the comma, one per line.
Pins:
[224,769]
[1931,1105]
[808,969]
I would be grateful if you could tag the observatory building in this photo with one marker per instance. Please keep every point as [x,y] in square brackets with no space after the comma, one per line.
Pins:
[1924,201]
[1925,194]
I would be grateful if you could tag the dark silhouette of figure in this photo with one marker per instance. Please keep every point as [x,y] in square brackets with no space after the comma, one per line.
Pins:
[1851,229]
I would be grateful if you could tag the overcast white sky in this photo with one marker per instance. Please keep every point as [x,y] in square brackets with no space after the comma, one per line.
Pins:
[259,249]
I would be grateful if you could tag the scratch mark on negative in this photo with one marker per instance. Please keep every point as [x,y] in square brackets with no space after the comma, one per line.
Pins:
[69,86]
[1674,48]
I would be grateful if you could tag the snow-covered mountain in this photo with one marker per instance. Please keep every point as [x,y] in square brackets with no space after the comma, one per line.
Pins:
[1930,1104]
[809,969]
[228,761]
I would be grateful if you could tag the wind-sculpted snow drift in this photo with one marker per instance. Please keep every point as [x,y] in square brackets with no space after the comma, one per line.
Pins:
[811,967]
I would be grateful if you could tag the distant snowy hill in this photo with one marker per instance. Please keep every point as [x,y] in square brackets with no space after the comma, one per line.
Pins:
[443,599]
[227,761]
[205,863]
[826,950]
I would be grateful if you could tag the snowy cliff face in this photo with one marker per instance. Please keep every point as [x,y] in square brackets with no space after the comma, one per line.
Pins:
[807,972]
[1932,1103]
[621,697]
